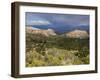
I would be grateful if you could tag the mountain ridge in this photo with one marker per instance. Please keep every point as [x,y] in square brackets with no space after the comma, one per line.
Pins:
[77,33]
[47,32]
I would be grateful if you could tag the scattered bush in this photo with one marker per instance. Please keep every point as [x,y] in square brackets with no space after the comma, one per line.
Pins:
[55,50]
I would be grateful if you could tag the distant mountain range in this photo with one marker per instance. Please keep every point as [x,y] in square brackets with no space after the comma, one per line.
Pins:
[76,33]
[62,29]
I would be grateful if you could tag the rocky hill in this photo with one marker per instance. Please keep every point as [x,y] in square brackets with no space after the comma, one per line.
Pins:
[47,32]
[77,34]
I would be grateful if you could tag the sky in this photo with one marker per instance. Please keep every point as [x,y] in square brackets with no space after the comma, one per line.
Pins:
[54,21]
[49,19]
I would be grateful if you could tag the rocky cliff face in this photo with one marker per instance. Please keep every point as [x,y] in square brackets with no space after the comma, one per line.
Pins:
[47,32]
[77,34]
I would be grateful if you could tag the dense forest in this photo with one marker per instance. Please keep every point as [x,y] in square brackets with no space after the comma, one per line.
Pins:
[55,50]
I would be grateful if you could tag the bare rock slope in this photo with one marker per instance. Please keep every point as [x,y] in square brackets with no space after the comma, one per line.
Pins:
[77,34]
[47,32]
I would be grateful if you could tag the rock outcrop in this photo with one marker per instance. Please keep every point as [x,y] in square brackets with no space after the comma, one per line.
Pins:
[47,32]
[77,34]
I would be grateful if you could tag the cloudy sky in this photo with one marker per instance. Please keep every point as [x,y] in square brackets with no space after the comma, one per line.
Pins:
[50,19]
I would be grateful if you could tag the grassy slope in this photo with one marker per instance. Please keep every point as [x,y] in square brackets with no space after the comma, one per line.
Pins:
[55,50]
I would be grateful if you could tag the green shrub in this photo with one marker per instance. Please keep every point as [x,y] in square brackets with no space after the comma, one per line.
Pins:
[55,50]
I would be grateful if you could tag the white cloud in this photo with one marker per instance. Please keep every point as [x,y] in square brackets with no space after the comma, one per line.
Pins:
[39,22]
